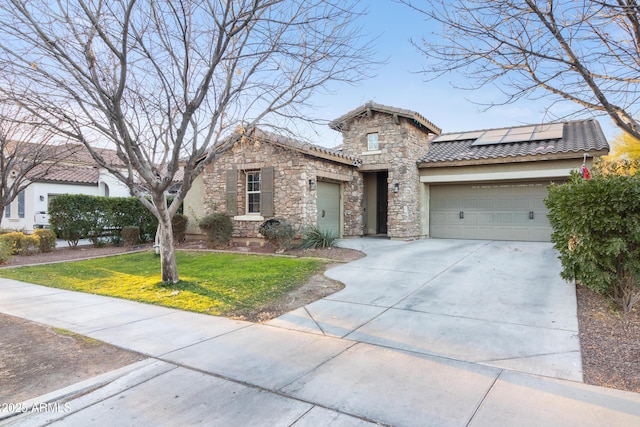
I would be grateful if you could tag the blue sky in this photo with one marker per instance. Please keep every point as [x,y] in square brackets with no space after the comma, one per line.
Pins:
[399,84]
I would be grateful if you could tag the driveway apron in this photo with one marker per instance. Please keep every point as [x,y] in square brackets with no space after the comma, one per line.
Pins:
[501,304]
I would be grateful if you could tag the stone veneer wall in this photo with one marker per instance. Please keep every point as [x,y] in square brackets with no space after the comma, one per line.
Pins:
[293,198]
[401,143]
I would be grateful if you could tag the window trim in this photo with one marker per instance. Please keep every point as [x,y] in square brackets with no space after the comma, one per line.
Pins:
[248,192]
[371,140]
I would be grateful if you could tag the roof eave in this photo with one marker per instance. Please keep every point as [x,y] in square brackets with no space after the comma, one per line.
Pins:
[318,152]
[58,181]
[578,155]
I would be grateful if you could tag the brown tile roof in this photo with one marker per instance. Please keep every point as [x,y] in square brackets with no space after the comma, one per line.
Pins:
[69,163]
[75,153]
[577,138]
[70,174]
[417,118]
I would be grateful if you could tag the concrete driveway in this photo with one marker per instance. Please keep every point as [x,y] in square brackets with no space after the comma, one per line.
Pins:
[501,304]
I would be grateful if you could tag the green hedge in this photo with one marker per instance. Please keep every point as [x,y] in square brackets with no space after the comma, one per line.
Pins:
[127,211]
[596,229]
[74,217]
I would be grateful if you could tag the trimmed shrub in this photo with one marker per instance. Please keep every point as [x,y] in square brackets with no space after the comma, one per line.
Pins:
[29,244]
[67,218]
[279,232]
[12,240]
[130,235]
[179,224]
[218,228]
[315,238]
[47,239]
[5,251]
[127,211]
[95,216]
[596,229]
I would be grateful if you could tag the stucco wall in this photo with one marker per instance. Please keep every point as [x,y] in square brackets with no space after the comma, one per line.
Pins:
[116,188]
[33,203]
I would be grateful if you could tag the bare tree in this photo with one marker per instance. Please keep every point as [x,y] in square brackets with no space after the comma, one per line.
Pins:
[27,152]
[165,80]
[587,52]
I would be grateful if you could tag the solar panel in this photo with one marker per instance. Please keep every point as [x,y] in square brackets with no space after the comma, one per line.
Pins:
[507,135]
[491,137]
[446,137]
[471,135]
[548,131]
[458,136]
[521,134]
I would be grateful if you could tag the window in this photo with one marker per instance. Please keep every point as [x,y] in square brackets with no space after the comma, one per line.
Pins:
[372,141]
[7,211]
[253,192]
[21,204]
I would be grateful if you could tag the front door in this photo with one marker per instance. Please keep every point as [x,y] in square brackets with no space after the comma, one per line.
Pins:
[375,203]
[381,208]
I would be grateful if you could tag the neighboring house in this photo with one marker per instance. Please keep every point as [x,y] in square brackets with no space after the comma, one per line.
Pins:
[77,173]
[395,177]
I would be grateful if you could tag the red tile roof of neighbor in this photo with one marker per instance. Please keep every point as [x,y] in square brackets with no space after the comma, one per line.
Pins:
[66,173]
[573,140]
[69,163]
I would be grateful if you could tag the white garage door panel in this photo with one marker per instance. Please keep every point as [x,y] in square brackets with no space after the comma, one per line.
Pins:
[490,211]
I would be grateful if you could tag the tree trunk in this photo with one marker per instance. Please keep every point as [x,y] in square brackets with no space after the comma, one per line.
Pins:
[168,255]
[168,264]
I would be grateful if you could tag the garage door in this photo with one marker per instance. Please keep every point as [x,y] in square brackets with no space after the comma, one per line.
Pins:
[501,211]
[329,207]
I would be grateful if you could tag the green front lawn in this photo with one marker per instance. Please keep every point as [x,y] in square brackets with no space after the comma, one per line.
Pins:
[213,283]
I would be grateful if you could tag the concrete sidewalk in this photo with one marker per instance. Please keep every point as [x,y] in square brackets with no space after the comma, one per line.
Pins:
[359,357]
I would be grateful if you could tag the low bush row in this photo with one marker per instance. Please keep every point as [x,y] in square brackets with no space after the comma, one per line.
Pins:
[18,243]
[279,232]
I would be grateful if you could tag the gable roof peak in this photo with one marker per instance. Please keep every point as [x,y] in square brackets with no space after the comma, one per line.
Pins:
[370,106]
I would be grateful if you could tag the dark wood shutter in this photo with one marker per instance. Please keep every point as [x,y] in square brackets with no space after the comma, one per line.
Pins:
[266,192]
[232,192]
